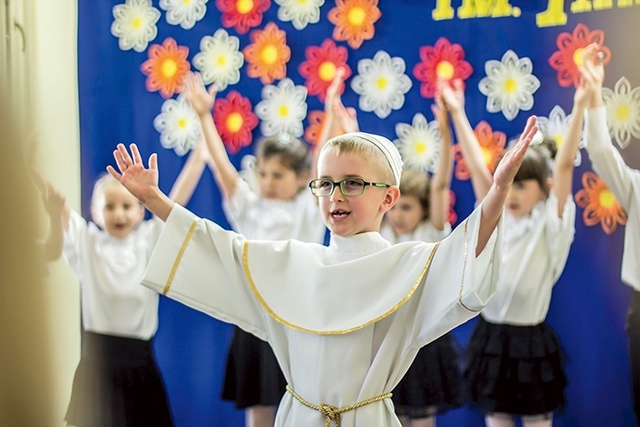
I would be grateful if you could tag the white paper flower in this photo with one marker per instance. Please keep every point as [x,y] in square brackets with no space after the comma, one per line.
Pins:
[135,24]
[419,143]
[299,12]
[509,85]
[555,127]
[623,111]
[282,108]
[184,12]
[381,84]
[178,125]
[219,59]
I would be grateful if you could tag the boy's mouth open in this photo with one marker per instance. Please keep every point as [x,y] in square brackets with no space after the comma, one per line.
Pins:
[339,214]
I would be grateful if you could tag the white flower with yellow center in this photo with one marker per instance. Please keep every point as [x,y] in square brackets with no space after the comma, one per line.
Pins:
[381,84]
[509,85]
[299,12]
[623,111]
[555,127]
[184,12]
[219,59]
[135,24]
[282,109]
[178,125]
[419,144]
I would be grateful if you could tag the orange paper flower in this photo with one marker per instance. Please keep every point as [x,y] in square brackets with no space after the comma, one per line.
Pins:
[166,67]
[316,121]
[268,54]
[354,20]
[569,57]
[242,14]
[599,203]
[234,120]
[453,216]
[320,67]
[445,61]
[492,145]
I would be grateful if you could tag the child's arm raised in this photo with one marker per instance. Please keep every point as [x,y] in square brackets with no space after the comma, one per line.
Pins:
[224,172]
[441,180]
[493,203]
[56,206]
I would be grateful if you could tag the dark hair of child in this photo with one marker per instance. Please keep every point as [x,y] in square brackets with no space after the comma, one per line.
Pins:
[293,153]
[537,164]
[415,183]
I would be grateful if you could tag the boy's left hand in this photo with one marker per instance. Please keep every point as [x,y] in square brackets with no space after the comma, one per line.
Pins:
[512,159]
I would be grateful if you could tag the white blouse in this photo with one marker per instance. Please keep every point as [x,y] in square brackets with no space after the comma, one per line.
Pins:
[110,271]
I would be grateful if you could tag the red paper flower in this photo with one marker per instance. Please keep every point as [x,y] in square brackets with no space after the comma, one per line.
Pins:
[242,14]
[320,67]
[453,216]
[354,20]
[268,54]
[599,203]
[492,145]
[445,61]
[234,120]
[166,67]
[569,57]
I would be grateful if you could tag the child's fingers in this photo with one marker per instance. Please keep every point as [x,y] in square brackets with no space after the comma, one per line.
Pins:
[136,154]
[117,155]
[124,154]
[153,161]
[113,172]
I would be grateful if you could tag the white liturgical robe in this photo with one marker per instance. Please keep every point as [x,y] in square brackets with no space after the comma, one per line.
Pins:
[345,321]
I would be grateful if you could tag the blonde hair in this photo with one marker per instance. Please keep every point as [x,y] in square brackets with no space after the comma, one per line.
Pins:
[97,196]
[367,150]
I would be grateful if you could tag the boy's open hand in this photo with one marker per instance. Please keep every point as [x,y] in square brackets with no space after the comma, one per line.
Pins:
[140,181]
[512,159]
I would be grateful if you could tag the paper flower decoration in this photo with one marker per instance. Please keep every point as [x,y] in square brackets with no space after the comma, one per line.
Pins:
[299,12]
[184,12]
[381,84]
[268,54]
[555,127]
[567,60]
[444,61]
[166,67]
[419,143]
[453,216]
[353,20]
[321,65]
[234,120]
[178,125]
[316,121]
[599,203]
[219,59]
[242,15]
[623,111]
[492,146]
[282,109]
[509,85]
[135,24]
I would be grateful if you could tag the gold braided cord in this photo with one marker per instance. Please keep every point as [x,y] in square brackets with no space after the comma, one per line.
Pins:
[332,413]
[464,268]
[167,286]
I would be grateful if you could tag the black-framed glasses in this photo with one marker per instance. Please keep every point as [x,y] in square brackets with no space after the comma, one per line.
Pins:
[348,187]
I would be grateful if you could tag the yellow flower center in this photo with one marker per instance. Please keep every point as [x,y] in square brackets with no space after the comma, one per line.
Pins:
[382,83]
[420,147]
[234,122]
[182,123]
[623,112]
[302,1]
[327,70]
[244,6]
[168,68]
[269,54]
[510,85]
[444,70]
[559,139]
[577,56]
[356,16]
[606,199]
[221,60]
[283,111]
[186,1]
[136,23]
[486,154]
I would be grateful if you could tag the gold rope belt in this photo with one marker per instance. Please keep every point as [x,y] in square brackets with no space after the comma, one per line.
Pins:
[331,413]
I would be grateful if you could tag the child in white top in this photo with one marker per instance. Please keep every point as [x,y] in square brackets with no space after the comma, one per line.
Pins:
[513,359]
[117,381]
[345,321]
[624,183]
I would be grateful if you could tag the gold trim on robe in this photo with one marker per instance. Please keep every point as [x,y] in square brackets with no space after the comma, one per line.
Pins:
[192,229]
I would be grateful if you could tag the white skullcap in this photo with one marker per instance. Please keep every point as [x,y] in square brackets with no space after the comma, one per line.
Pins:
[389,150]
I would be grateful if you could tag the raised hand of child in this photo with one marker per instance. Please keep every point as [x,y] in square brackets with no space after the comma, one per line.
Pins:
[199,97]
[592,73]
[452,94]
[512,159]
[140,181]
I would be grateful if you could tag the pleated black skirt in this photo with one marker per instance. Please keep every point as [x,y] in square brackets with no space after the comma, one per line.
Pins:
[253,376]
[431,386]
[117,383]
[516,370]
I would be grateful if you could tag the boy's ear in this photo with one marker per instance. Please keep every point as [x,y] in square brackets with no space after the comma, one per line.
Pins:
[391,197]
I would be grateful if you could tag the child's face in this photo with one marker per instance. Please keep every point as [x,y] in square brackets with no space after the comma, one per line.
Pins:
[348,216]
[405,216]
[121,212]
[523,196]
[276,181]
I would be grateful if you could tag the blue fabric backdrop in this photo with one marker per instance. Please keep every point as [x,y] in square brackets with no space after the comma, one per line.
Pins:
[589,302]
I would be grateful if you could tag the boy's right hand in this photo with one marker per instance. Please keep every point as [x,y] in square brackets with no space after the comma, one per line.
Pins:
[512,159]
[140,181]
[199,97]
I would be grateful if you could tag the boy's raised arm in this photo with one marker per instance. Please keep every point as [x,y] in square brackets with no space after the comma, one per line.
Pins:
[441,180]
